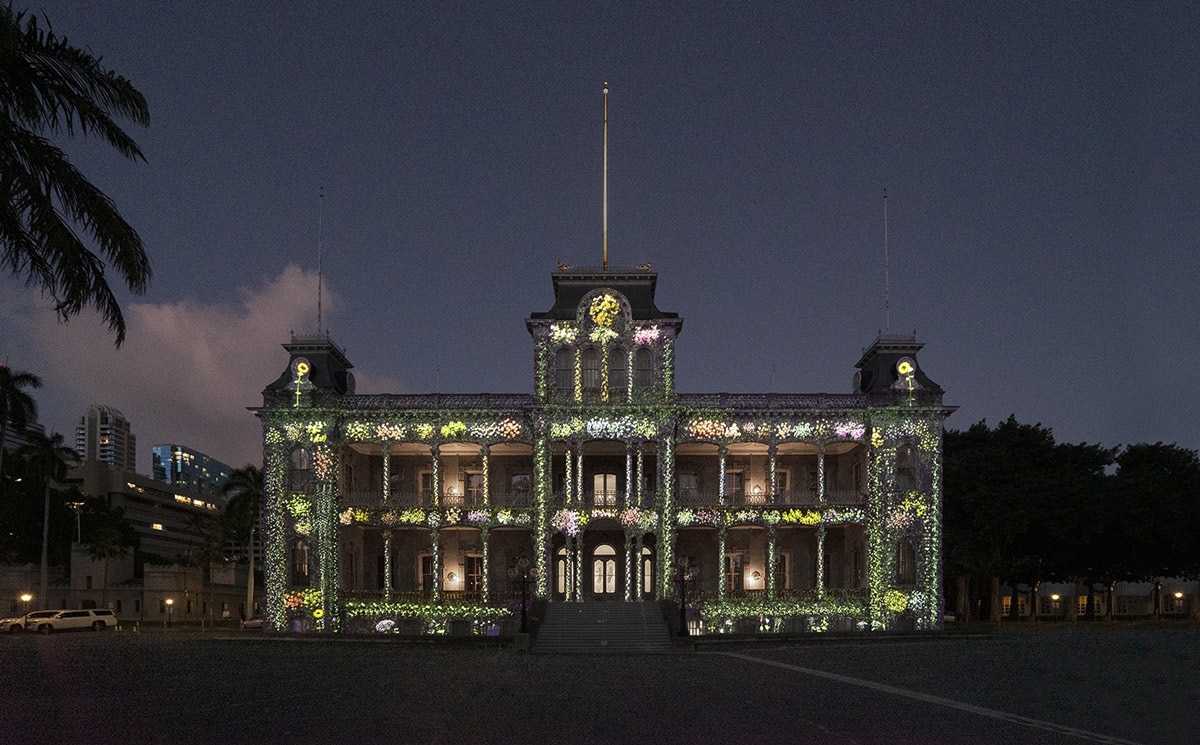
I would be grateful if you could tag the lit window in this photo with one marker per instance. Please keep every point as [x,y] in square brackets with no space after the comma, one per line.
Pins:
[157,526]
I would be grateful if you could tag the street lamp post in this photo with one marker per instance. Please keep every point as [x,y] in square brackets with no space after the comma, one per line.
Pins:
[25,598]
[521,574]
[170,609]
[684,576]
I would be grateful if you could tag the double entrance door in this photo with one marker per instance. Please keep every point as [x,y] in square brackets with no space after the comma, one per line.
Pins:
[601,571]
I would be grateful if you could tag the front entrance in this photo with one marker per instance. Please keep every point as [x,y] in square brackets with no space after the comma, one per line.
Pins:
[603,567]
[605,578]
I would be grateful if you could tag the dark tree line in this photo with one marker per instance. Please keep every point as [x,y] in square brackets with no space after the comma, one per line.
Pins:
[1021,508]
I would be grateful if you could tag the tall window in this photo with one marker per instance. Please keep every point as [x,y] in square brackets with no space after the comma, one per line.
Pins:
[906,467]
[735,484]
[520,485]
[474,571]
[783,575]
[298,470]
[733,572]
[647,571]
[604,489]
[782,485]
[300,563]
[591,370]
[689,486]
[618,373]
[906,563]
[564,370]
[643,364]
[474,482]
[604,570]
[564,577]
[427,573]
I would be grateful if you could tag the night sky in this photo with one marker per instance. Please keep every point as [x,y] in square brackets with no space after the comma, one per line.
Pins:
[1041,161]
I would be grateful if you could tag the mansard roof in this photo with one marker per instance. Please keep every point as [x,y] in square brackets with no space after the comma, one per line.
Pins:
[635,283]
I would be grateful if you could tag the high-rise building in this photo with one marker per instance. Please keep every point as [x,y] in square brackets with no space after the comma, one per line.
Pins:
[181,466]
[103,434]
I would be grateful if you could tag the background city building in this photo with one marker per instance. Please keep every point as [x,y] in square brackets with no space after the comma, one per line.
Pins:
[103,434]
[170,521]
[182,466]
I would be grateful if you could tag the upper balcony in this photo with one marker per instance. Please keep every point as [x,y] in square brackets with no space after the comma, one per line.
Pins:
[796,498]
[374,499]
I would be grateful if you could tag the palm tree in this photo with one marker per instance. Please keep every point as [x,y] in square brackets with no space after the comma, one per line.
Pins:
[110,536]
[16,406]
[47,459]
[48,87]
[241,515]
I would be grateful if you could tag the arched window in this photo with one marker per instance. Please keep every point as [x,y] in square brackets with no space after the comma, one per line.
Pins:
[591,370]
[643,363]
[906,467]
[618,373]
[604,570]
[564,370]
[564,578]
[300,564]
[906,563]
[647,571]
[299,463]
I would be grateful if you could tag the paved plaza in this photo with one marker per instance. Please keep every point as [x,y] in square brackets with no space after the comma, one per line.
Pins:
[1048,684]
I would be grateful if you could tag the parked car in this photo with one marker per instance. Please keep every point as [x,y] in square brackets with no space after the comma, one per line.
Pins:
[98,619]
[20,623]
[252,623]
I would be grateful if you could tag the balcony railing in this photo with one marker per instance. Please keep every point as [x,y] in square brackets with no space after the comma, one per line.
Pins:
[369,499]
[499,596]
[797,498]
[607,499]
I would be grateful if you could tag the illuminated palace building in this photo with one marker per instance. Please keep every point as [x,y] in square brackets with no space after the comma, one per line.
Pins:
[802,512]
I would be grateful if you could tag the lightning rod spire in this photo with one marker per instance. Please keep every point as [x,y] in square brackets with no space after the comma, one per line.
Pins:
[320,252]
[604,230]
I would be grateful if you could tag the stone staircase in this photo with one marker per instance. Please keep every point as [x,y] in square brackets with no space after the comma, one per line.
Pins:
[603,628]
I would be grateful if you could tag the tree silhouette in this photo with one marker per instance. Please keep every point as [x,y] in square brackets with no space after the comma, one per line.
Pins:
[50,88]
[241,515]
[47,460]
[110,536]
[17,408]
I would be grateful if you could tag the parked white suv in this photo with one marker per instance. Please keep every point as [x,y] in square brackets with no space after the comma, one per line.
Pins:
[28,621]
[69,620]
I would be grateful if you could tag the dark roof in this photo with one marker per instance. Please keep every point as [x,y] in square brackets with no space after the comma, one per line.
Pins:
[637,285]
[878,364]
[330,368]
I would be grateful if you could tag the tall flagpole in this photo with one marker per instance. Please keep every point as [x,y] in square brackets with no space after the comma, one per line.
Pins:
[320,241]
[887,280]
[604,262]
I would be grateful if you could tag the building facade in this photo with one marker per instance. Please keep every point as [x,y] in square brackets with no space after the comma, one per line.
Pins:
[181,466]
[169,520]
[770,512]
[103,434]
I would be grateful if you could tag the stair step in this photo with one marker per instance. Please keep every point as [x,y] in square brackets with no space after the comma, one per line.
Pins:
[603,628]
